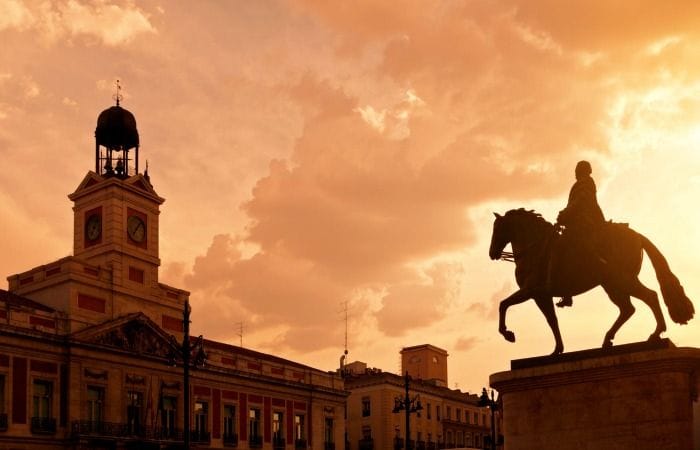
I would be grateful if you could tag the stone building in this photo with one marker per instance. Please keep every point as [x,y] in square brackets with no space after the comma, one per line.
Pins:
[449,418]
[91,345]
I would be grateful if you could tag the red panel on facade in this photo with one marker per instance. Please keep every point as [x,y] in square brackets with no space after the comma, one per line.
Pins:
[136,274]
[267,420]
[91,271]
[254,366]
[172,323]
[278,402]
[53,271]
[255,398]
[48,323]
[202,390]
[43,366]
[216,414]
[298,375]
[290,421]
[171,294]
[3,314]
[229,395]
[243,418]
[276,371]
[228,361]
[4,361]
[27,280]
[300,405]
[91,303]
[19,390]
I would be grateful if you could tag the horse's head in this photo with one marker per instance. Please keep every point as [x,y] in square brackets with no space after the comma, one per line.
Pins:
[500,237]
[519,227]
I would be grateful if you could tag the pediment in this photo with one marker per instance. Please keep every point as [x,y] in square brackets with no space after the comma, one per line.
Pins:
[140,182]
[90,179]
[134,333]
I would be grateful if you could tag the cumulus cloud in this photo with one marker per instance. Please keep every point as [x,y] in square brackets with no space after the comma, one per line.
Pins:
[108,23]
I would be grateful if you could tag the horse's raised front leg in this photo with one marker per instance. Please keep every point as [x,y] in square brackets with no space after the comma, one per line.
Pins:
[514,299]
[546,305]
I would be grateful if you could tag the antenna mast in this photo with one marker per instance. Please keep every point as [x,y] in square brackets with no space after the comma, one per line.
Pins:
[240,332]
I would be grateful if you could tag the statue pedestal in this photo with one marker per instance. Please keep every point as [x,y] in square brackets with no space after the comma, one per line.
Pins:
[629,397]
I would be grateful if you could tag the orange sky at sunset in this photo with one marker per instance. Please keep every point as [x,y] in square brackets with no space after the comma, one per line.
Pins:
[316,152]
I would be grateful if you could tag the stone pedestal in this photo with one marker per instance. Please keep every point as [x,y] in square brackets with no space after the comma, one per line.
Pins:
[630,397]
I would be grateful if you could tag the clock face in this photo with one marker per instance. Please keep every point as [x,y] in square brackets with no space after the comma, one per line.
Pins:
[136,229]
[93,227]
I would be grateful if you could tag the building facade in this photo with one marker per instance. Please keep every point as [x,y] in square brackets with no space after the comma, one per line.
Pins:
[91,345]
[448,418]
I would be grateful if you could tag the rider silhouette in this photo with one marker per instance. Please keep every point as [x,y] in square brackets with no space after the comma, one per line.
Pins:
[582,218]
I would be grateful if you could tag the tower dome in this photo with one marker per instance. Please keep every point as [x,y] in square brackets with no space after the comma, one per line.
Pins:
[115,136]
[116,129]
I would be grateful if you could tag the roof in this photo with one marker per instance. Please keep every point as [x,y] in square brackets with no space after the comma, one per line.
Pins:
[22,302]
[116,129]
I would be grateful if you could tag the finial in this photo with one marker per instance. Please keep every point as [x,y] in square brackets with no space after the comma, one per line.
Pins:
[118,96]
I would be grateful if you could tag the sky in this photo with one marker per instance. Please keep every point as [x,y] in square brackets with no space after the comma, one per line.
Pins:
[319,157]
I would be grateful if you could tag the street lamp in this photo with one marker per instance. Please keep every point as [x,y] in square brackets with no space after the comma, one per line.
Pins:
[409,405]
[492,404]
[189,354]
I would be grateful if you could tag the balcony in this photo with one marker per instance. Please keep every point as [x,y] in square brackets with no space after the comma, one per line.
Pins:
[3,422]
[278,442]
[200,436]
[300,444]
[123,430]
[43,425]
[231,439]
[329,446]
[255,441]
[366,444]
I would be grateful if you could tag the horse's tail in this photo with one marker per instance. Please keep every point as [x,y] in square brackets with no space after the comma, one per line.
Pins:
[680,308]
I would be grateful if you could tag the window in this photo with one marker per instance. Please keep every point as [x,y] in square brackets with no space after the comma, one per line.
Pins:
[437,412]
[468,439]
[477,441]
[278,429]
[201,420]
[429,411]
[430,437]
[459,414]
[134,407]
[42,399]
[328,430]
[167,415]
[254,436]
[3,407]
[460,439]
[366,433]
[476,418]
[95,398]
[230,435]
[299,430]
[448,413]
[483,419]
[366,408]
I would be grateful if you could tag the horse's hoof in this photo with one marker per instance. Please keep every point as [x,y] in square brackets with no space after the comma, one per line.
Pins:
[508,335]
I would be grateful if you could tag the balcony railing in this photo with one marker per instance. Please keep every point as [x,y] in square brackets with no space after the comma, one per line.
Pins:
[3,422]
[278,442]
[299,444]
[119,430]
[366,444]
[43,425]
[231,439]
[329,446]
[255,441]
[200,436]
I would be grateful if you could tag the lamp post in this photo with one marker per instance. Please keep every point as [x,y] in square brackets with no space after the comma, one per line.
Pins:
[492,404]
[409,405]
[186,348]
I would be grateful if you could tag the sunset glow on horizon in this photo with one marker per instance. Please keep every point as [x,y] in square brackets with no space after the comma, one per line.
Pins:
[313,153]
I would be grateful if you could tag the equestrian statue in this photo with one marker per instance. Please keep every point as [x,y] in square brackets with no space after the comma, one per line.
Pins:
[579,252]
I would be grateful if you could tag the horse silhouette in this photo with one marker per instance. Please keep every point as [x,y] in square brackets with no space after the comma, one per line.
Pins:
[533,240]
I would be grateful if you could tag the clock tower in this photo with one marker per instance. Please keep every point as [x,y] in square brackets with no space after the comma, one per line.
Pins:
[115,262]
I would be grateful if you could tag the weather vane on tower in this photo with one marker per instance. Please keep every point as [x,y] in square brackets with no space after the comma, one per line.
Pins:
[118,96]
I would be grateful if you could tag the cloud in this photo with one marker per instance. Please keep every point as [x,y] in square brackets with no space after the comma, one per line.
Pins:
[107,23]
[464,344]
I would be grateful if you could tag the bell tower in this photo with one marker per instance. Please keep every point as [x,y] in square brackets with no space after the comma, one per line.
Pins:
[116,208]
